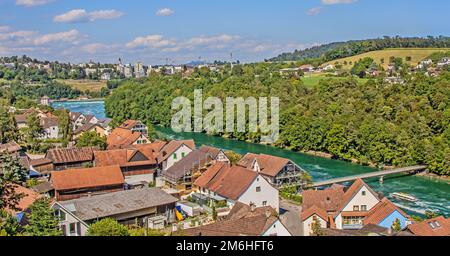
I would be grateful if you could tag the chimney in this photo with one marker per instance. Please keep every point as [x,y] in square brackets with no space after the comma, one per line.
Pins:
[268,213]
[252,207]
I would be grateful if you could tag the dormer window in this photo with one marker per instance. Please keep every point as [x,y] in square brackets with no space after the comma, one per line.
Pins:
[363,193]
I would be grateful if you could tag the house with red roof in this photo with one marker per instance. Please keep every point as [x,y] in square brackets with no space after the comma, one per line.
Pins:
[71,184]
[439,226]
[349,209]
[224,182]
[134,126]
[280,172]
[174,151]
[124,138]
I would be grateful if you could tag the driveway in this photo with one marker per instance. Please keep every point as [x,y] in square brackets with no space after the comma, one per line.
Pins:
[290,217]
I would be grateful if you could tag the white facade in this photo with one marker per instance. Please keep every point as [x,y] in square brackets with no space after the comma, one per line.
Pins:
[362,201]
[277,229]
[261,193]
[307,224]
[51,132]
[181,152]
[69,224]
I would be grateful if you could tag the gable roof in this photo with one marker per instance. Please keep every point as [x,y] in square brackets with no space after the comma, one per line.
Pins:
[71,155]
[121,157]
[351,192]
[425,228]
[229,182]
[48,122]
[194,160]
[150,150]
[74,115]
[86,127]
[87,178]
[120,138]
[172,146]
[128,124]
[329,199]
[10,147]
[248,223]
[269,165]
[29,197]
[115,203]
[314,210]
[381,211]
[214,152]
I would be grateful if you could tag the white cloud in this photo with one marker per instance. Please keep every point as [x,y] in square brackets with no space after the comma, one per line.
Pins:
[329,2]
[31,3]
[96,48]
[314,11]
[71,36]
[151,41]
[211,40]
[165,12]
[81,15]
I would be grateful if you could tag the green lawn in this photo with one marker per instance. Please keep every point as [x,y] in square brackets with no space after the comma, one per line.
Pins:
[311,81]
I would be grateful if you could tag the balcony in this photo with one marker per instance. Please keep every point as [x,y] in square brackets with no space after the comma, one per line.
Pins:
[352,226]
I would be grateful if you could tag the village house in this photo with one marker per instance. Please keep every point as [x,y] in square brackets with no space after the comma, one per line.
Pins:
[45,101]
[21,120]
[42,166]
[280,172]
[307,68]
[439,226]
[77,119]
[134,126]
[173,152]
[244,220]
[89,127]
[351,209]
[71,158]
[71,184]
[443,62]
[68,222]
[51,128]
[137,163]
[124,138]
[231,184]
[182,174]
[128,207]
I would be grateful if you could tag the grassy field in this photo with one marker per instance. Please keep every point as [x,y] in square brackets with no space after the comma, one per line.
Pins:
[83,85]
[416,54]
[313,80]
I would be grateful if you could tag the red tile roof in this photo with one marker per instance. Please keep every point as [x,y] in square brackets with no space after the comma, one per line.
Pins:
[150,150]
[314,210]
[128,124]
[121,157]
[48,122]
[10,147]
[439,226]
[268,164]
[229,182]
[328,199]
[351,191]
[29,196]
[122,138]
[87,178]
[172,146]
[380,211]
[71,155]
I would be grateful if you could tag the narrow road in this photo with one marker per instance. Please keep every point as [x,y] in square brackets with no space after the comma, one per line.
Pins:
[290,217]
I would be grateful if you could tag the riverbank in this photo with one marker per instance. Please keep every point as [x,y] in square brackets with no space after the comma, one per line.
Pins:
[79,100]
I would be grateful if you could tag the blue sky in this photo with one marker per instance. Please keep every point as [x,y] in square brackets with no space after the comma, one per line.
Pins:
[183,30]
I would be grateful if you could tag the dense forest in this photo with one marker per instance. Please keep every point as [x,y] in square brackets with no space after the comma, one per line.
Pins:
[333,51]
[372,123]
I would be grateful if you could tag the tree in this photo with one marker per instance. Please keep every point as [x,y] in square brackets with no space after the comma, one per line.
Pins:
[13,173]
[316,227]
[64,124]
[42,220]
[8,129]
[9,226]
[233,156]
[108,227]
[214,212]
[430,214]
[396,225]
[34,129]
[91,139]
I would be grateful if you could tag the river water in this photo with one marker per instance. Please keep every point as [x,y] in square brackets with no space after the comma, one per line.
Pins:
[432,194]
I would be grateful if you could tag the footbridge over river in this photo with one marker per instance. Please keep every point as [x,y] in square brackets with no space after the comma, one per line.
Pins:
[381,174]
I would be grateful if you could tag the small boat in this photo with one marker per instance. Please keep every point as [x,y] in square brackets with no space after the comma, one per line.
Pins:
[404,196]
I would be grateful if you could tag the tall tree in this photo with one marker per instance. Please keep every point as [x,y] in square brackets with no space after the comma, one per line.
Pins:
[13,173]
[91,139]
[42,220]
[8,128]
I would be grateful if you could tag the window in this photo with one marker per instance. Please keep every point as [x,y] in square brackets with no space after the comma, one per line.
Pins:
[258,189]
[363,208]
[183,154]
[363,193]
[63,229]
[356,208]
[264,203]
[72,228]
[174,156]
[60,215]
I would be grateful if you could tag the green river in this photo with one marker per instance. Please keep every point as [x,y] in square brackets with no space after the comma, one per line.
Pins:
[432,194]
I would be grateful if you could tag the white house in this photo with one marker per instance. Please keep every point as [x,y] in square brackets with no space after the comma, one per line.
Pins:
[222,182]
[69,223]
[444,62]
[51,128]
[173,151]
